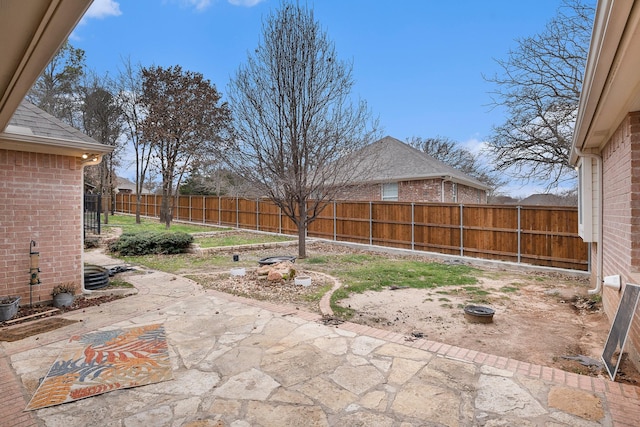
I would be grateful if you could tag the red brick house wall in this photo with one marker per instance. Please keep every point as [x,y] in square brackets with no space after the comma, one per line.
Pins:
[621,224]
[40,200]
[429,190]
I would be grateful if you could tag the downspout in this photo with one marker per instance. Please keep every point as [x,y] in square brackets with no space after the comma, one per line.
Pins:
[91,161]
[599,260]
[446,178]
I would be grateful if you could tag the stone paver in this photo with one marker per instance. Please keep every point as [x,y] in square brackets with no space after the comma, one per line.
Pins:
[240,363]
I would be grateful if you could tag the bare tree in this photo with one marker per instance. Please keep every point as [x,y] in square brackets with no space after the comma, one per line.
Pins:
[294,117]
[450,152]
[102,120]
[129,90]
[184,120]
[539,86]
[57,89]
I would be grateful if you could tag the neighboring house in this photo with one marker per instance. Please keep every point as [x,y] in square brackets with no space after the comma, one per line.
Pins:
[606,151]
[41,159]
[395,171]
[125,186]
[546,199]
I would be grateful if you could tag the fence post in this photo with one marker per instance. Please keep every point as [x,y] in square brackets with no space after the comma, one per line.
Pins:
[519,231]
[370,223]
[413,206]
[190,207]
[204,209]
[461,230]
[237,213]
[257,214]
[279,219]
[335,221]
[219,210]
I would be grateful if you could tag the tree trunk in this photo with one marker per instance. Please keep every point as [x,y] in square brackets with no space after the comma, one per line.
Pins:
[302,230]
[138,202]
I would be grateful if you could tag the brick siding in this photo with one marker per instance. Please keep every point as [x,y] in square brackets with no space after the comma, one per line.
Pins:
[429,190]
[621,217]
[41,200]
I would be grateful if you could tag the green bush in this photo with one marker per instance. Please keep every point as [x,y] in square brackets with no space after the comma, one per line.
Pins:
[151,242]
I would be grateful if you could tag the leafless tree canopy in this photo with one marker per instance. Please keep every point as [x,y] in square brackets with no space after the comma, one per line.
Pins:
[129,94]
[294,116]
[102,120]
[450,152]
[539,86]
[184,120]
[57,89]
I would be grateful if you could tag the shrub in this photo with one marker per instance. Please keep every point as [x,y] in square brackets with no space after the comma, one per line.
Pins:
[151,242]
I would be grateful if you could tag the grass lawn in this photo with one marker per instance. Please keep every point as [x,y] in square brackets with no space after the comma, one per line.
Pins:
[128,223]
[362,272]
[242,238]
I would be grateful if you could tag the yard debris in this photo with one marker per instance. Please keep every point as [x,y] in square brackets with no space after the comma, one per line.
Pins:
[584,303]
[415,336]
[331,320]
[585,361]
[395,287]
[118,269]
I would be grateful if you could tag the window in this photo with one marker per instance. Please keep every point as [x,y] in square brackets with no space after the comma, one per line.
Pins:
[390,192]
[454,190]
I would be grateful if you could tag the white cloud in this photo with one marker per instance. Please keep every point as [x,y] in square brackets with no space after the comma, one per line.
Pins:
[245,3]
[103,8]
[200,5]
[474,145]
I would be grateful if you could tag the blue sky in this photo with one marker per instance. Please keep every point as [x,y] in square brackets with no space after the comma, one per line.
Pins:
[418,63]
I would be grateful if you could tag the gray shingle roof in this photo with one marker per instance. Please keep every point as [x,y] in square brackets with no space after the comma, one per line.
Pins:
[31,120]
[392,161]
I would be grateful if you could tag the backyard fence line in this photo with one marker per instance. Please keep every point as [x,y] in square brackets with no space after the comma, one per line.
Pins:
[544,236]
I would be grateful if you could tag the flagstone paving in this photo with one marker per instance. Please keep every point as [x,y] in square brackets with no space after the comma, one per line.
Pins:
[239,362]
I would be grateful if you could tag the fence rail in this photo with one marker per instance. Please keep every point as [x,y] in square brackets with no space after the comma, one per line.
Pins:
[545,236]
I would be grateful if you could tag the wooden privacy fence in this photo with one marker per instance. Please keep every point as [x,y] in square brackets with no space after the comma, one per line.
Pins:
[545,236]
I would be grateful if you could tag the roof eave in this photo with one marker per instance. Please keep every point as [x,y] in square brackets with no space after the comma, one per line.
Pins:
[611,81]
[31,48]
[46,145]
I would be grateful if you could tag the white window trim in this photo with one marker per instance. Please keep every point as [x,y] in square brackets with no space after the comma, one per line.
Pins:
[387,198]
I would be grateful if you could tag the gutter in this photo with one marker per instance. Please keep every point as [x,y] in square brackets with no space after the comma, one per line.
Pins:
[599,261]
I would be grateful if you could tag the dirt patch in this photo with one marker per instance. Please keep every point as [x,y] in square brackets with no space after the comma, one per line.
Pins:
[258,287]
[532,324]
[28,329]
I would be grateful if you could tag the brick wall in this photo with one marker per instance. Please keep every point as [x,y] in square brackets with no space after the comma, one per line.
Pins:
[40,200]
[621,217]
[419,191]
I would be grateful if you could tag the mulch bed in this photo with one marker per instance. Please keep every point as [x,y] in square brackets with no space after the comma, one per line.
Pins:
[32,317]
[28,329]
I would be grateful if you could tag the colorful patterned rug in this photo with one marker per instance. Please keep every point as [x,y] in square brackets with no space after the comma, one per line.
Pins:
[103,361]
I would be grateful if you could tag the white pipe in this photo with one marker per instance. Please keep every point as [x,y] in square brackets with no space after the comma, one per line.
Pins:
[599,261]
